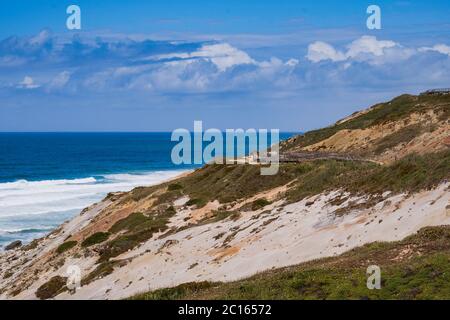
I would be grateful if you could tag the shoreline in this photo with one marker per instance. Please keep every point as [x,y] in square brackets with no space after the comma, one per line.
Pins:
[26,227]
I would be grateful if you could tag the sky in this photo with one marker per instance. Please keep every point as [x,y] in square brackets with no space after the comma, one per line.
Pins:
[160,65]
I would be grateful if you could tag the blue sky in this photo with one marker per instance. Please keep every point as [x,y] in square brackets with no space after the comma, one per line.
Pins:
[160,65]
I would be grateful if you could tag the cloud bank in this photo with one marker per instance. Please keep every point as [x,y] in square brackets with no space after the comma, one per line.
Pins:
[119,72]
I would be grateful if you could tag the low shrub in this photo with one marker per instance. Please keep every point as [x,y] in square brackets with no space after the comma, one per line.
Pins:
[66,246]
[196,202]
[260,203]
[174,186]
[102,270]
[51,288]
[96,238]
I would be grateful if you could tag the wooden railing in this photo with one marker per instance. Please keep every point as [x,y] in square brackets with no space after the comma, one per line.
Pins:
[307,156]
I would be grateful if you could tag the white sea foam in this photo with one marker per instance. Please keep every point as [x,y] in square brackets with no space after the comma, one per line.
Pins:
[25,183]
[35,205]
[39,197]
[37,228]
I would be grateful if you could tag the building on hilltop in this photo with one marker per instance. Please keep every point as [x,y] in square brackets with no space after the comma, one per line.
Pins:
[436,92]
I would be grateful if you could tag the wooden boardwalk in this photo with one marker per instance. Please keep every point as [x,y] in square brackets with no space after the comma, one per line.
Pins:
[298,157]
[309,156]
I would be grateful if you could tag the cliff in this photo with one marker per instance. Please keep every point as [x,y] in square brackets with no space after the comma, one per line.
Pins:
[223,223]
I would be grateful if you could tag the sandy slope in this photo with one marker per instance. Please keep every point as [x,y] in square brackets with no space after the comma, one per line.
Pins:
[364,140]
[276,236]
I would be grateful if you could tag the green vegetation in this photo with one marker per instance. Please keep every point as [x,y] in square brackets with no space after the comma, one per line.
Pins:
[140,193]
[404,135]
[422,273]
[397,109]
[173,190]
[230,183]
[96,238]
[260,203]
[124,243]
[51,288]
[32,245]
[136,228]
[179,292]
[221,215]
[410,174]
[102,270]
[66,246]
[133,221]
[199,203]
[168,197]
[174,186]
[227,183]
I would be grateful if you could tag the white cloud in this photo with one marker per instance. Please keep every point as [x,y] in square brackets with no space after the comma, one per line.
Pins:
[41,38]
[199,71]
[368,45]
[222,55]
[292,62]
[60,80]
[366,48]
[272,63]
[320,51]
[27,83]
[441,48]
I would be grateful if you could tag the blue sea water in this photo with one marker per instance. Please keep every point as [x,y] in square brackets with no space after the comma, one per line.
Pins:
[47,178]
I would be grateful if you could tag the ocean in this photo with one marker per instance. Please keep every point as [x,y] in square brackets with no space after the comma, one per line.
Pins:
[48,178]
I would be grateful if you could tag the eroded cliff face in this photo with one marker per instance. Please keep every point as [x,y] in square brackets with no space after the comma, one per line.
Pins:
[415,134]
[386,132]
[223,223]
[275,235]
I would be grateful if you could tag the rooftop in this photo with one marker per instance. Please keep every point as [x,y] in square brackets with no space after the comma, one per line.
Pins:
[437,91]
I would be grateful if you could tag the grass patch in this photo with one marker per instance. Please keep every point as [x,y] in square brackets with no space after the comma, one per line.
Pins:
[178,292]
[260,203]
[96,238]
[168,197]
[132,222]
[32,245]
[51,288]
[140,193]
[125,242]
[174,187]
[66,246]
[199,203]
[424,274]
[102,270]
[410,174]
[403,135]
[136,228]
[227,183]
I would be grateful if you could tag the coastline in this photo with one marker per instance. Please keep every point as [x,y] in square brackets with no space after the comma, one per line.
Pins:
[310,234]
[228,223]
[27,226]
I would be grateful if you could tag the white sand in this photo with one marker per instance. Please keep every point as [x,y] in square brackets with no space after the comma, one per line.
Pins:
[299,233]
